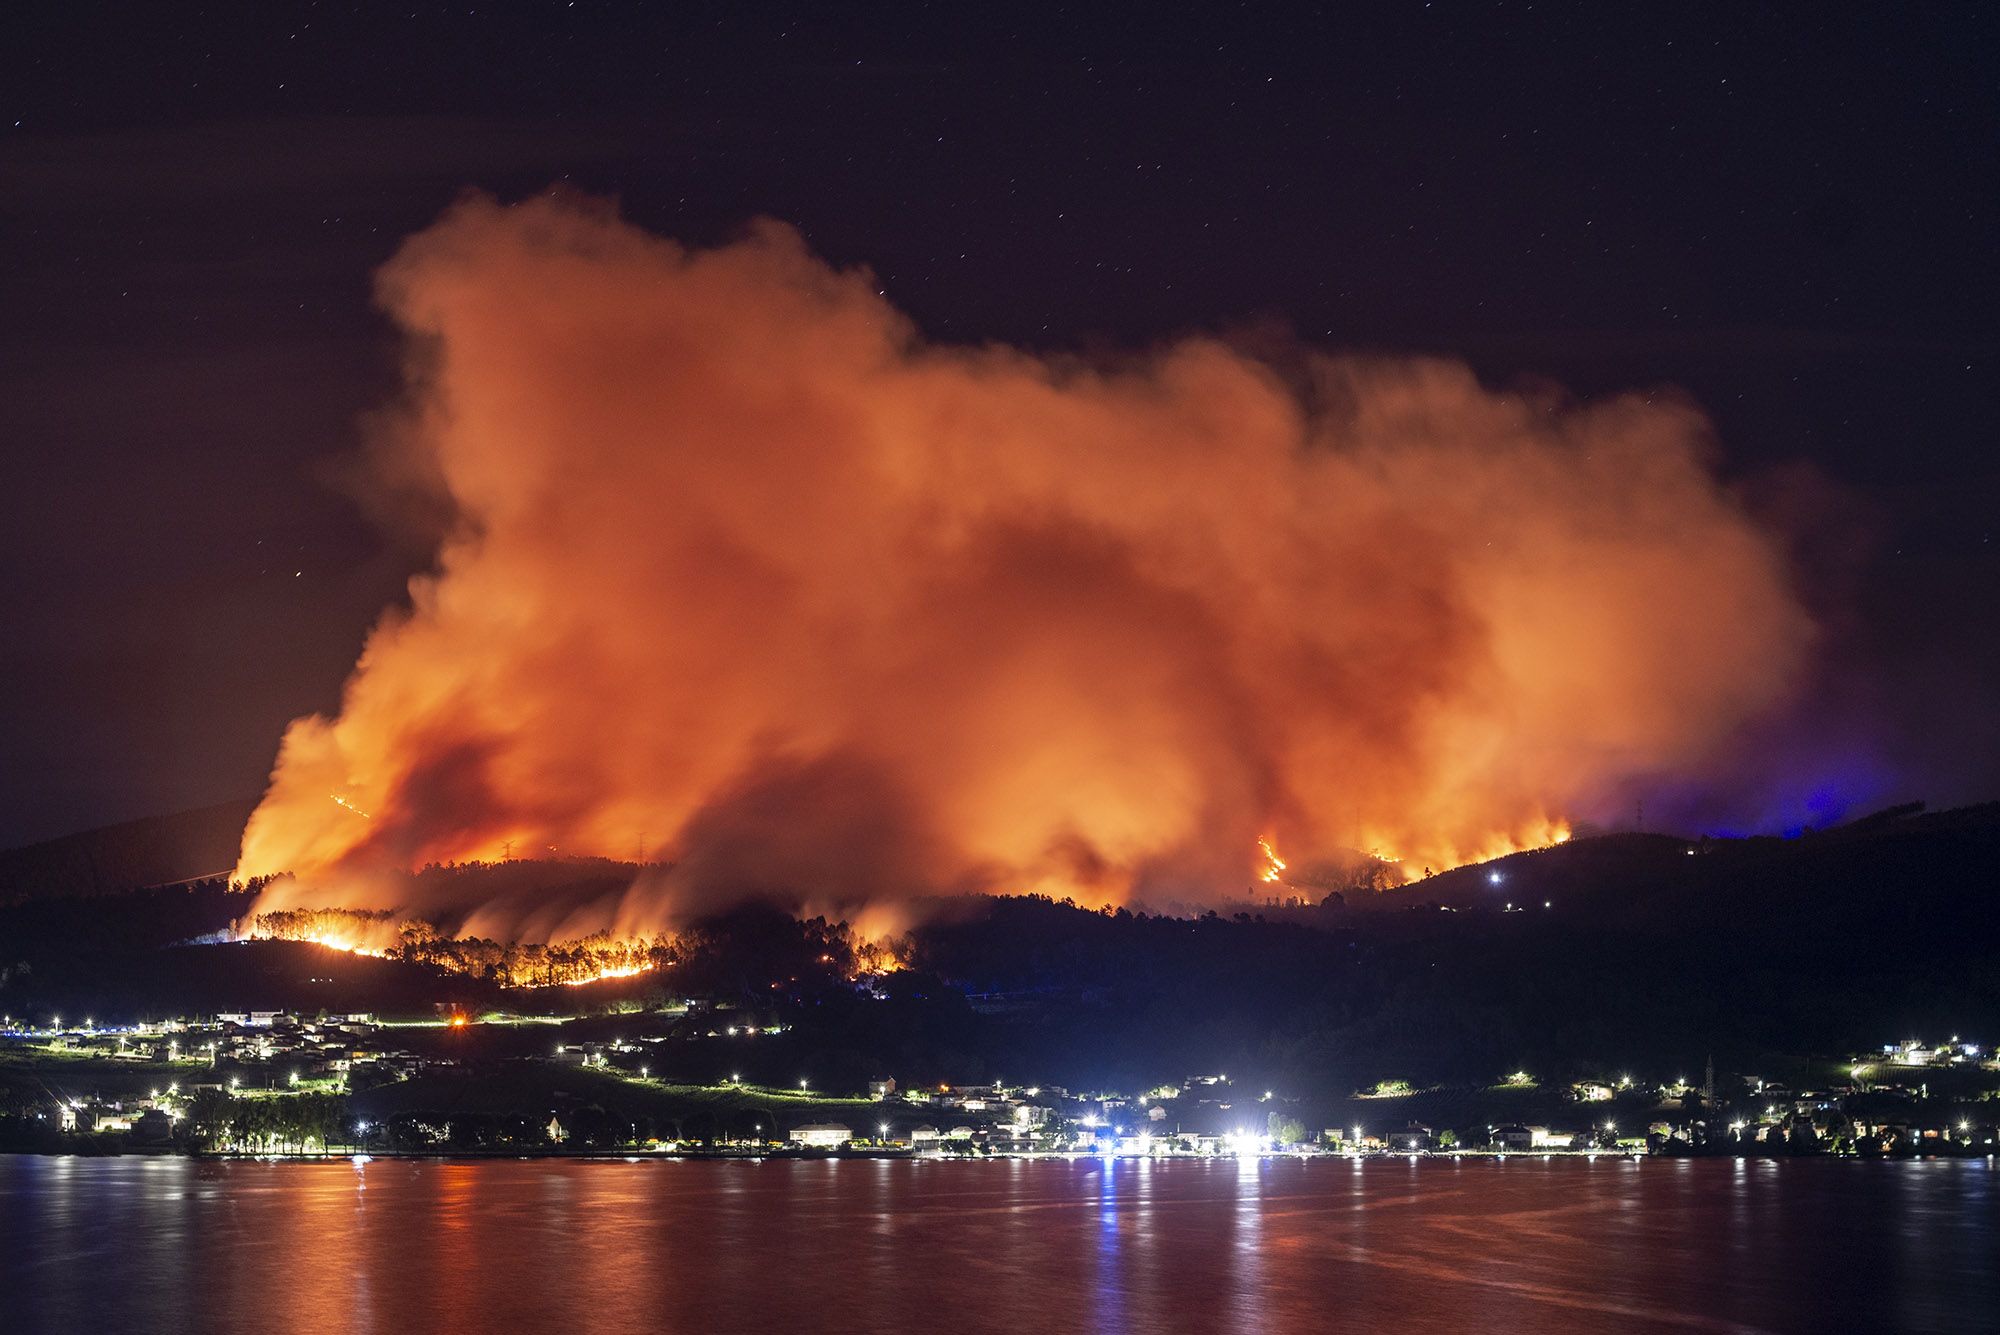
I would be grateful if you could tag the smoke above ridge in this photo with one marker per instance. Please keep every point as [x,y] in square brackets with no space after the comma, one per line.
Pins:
[746,578]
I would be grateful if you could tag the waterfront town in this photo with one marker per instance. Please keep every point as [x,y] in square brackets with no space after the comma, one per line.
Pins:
[271,1083]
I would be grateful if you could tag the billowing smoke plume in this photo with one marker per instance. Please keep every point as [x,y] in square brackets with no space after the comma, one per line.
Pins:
[748,578]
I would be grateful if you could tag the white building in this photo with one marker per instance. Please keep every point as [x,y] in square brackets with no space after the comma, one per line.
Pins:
[821,1135]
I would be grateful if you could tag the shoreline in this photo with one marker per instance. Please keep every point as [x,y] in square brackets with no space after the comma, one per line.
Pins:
[363,1156]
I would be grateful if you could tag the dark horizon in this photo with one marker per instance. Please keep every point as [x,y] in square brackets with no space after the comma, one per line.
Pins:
[1784,216]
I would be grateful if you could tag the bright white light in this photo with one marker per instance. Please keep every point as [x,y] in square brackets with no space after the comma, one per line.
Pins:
[1493,877]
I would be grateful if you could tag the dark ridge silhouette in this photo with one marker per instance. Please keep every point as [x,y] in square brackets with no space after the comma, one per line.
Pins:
[159,850]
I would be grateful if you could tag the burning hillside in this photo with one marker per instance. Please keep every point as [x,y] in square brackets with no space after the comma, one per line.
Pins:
[826,950]
[377,932]
[745,579]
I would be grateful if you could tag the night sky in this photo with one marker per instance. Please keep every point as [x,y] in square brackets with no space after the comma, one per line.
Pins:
[1787,214]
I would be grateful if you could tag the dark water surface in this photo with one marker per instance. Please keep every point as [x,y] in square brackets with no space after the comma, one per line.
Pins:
[162,1245]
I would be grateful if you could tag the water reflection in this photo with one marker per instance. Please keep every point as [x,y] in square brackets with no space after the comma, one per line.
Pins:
[1091,1245]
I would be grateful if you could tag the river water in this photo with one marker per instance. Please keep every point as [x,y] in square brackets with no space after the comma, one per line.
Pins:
[546,1246]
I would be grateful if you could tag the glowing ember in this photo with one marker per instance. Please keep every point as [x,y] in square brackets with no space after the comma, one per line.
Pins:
[1274,866]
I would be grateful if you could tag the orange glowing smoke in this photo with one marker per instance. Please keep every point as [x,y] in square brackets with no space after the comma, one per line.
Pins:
[745,576]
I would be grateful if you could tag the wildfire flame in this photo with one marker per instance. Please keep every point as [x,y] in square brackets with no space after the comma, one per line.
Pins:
[1274,866]
[621,971]
[750,582]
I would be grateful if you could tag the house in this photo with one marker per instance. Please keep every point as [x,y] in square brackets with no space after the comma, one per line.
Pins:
[152,1127]
[1512,1137]
[1415,1137]
[881,1089]
[820,1135]
[102,1117]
